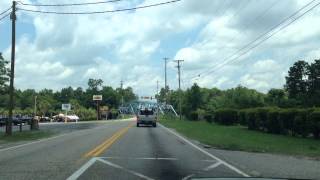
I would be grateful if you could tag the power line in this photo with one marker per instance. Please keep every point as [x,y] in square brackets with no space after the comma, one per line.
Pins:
[8,14]
[101,12]
[261,36]
[246,27]
[5,11]
[263,40]
[72,4]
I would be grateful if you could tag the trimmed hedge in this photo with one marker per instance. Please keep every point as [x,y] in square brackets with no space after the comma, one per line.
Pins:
[314,119]
[295,122]
[226,116]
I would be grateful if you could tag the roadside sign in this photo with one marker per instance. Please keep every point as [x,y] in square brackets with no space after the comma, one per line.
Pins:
[97,97]
[66,107]
[104,109]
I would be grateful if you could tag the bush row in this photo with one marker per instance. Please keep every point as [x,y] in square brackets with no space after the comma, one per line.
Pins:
[302,122]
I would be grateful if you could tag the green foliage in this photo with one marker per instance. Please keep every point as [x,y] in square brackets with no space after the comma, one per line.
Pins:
[314,119]
[226,116]
[4,74]
[300,124]
[274,125]
[49,102]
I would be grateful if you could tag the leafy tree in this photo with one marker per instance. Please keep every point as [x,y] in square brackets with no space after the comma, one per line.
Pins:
[161,97]
[4,74]
[95,84]
[297,80]
[314,83]
[276,97]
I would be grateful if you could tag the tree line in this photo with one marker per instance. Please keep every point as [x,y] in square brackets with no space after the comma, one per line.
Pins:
[302,89]
[49,101]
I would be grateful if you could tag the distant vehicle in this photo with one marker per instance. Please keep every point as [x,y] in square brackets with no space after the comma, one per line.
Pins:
[72,118]
[2,121]
[147,116]
[45,119]
[66,118]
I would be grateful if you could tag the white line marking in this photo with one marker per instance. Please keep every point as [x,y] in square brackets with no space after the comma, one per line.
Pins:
[83,168]
[141,158]
[122,168]
[212,166]
[187,177]
[207,153]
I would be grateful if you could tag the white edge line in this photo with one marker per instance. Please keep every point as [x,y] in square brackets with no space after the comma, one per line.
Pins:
[119,167]
[207,153]
[187,177]
[83,168]
[212,166]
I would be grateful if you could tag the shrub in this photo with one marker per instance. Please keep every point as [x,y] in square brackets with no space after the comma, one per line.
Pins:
[242,117]
[273,124]
[194,115]
[300,124]
[261,116]
[208,116]
[226,116]
[286,117]
[314,120]
[251,119]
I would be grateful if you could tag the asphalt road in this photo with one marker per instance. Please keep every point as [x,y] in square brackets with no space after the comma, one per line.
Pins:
[112,150]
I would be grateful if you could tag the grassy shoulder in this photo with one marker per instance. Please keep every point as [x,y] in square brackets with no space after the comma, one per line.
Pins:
[25,136]
[240,138]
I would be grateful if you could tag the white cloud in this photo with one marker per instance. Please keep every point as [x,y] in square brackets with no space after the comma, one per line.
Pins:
[67,50]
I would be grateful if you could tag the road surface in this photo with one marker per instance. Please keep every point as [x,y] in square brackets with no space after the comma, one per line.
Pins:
[113,150]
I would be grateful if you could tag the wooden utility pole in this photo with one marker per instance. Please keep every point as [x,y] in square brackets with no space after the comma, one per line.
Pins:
[165,79]
[179,78]
[11,87]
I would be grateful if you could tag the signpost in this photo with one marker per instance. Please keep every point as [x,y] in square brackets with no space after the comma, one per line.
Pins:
[66,107]
[97,98]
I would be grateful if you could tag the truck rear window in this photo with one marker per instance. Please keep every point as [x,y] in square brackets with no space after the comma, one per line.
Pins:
[146,112]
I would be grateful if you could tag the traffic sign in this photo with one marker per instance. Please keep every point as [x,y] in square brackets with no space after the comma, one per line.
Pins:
[97,97]
[66,107]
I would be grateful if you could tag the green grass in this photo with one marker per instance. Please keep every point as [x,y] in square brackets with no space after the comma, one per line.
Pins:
[25,136]
[240,138]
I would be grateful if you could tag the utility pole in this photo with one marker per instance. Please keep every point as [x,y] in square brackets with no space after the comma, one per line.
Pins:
[121,88]
[121,91]
[179,74]
[165,79]
[157,87]
[11,88]
[35,106]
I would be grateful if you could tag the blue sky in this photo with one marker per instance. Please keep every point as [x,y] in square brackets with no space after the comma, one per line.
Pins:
[55,51]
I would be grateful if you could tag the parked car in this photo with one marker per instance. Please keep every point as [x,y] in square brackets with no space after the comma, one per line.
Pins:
[2,121]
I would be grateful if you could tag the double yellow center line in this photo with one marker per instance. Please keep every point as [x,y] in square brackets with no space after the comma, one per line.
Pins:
[107,143]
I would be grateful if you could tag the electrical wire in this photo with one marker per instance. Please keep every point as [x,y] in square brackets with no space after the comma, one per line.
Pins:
[71,4]
[1,18]
[245,29]
[5,11]
[262,35]
[100,12]
[265,39]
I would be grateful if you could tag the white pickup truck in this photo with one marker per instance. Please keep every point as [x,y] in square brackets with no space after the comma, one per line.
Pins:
[147,117]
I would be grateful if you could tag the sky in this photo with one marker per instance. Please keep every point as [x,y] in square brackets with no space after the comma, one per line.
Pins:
[57,51]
